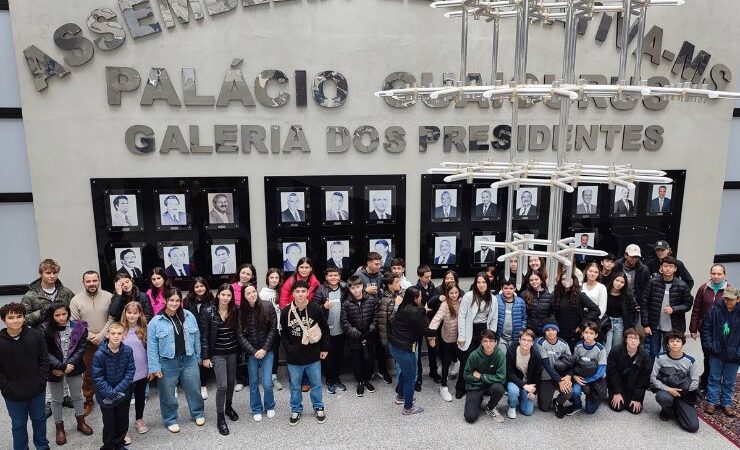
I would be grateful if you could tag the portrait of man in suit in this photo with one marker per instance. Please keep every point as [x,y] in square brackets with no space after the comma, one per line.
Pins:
[174,211]
[176,262]
[293,213]
[129,261]
[446,210]
[445,254]
[338,252]
[380,205]
[336,209]
[292,252]
[123,211]
[222,210]
[584,241]
[485,254]
[526,207]
[622,203]
[383,247]
[224,260]
[486,208]
[587,204]
[660,203]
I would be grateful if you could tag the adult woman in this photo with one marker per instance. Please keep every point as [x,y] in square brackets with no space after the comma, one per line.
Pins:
[539,303]
[259,327]
[595,290]
[158,284]
[66,340]
[408,325]
[200,296]
[274,281]
[304,272]
[478,312]
[523,374]
[173,354]
[568,305]
[620,308]
[447,316]
[247,275]
[125,292]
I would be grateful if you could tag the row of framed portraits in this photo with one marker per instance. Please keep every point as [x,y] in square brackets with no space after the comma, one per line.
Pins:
[336,251]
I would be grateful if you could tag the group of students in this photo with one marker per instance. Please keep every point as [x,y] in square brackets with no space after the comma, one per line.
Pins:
[580,340]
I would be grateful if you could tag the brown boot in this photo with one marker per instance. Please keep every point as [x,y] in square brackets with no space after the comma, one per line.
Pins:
[83,427]
[728,411]
[61,435]
[710,408]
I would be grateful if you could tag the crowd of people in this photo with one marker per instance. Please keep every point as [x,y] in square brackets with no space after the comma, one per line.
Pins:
[608,333]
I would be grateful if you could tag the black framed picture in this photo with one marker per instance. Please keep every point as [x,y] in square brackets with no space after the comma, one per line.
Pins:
[659,203]
[385,245]
[445,246]
[447,205]
[527,201]
[128,257]
[337,205]
[624,202]
[585,239]
[292,250]
[123,210]
[223,257]
[381,204]
[294,206]
[486,203]
[177,257]
[483,254]
[338,252]
[223,212]
[586,201]
[172,210]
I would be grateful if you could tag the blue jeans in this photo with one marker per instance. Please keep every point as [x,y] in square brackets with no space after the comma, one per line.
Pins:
[591,405]
[254,365]
[519,397]
[656,342]
[182,369]
[19,413]
[296,373]
[406,362]
[615,336]
[721,384]
[398,366]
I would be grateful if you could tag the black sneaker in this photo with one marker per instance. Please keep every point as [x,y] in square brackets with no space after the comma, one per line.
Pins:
[341,386]
[370,388]
[434,376]
[332,388]
[294,417]
[417,386]
[559,409]
[387,378]
[459,393]
[320,415]
[572,409]
[67,402]
[360,389]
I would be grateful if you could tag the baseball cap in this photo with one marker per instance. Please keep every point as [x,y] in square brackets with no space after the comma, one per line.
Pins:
[633,250]
[662,244]
[730,292]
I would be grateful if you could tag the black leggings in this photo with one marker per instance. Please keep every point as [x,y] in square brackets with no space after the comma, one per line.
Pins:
[449,352]
[139,399]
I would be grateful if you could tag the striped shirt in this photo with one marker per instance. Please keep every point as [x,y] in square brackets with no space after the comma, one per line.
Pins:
[226,343]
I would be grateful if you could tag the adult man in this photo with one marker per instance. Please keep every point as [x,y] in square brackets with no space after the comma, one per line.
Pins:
[624,205]
[128,263]
[486,208]
[172,214]
[661,203]
[663,249]
[336,256]
[177,266]
[221,211]
[528,209]
[485,374]
[485,255]
[665,301]
[380,206]
[637,273]
[292,255]
[445,253]
[91,305]
[446,210]
[293,214]
[43,292]
[586,206]
[223,263]
[304,356]
[584,245]
[335,211]
[384,250]
[120,216]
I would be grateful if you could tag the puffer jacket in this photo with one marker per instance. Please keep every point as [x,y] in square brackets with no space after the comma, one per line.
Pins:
[119,302]
[449,323]
[208,321]
[253,337]
[628,376]
[704,300]
[518,316]
[571,317]
[286,292]
[385,309]
[720,334]
[322,294]
[37,301]
[112,372]
[359,319]
[682,272]
[77,341]
[652,300]
[368,278]
[539,309]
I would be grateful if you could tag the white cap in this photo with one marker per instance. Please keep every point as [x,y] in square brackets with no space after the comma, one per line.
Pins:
[633,250]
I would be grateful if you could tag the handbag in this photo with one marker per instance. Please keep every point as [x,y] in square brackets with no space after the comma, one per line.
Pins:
[605,324]
[310,335]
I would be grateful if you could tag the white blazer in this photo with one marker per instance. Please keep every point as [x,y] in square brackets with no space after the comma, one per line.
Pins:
[468,310]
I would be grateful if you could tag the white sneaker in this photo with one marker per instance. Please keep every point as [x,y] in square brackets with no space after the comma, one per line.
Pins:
[257,417]
[511,413]
[200,421]
[238,387]
[204,392]
[445,394]
[454,369]
[270,413]
[276,383]
[174,428]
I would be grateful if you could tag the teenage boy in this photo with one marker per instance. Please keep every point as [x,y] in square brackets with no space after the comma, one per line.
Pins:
[589,372]
[360,324]
[113,373]
[664,305]
[676,376]
[427,288]
[43,292]
[485,374]
[386,307]
[304,349]
[329,296]
[552,348]
[398,266]
[372,280]
[628,368]
[24,369]
[607,269]
[663,250]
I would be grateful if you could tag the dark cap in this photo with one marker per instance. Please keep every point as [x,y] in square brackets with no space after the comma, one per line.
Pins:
[662,244]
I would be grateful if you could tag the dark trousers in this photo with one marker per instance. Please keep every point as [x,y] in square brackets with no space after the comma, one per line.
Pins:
[685,411]
[625,406]
[205,373]
[335,358]
[362,362]
[474,398]
[115,424]
[20,412]
[88,386]
[381,354]
[276,352]
[448,352]
[704,378]
[545,391]
[431,354]
[140,397]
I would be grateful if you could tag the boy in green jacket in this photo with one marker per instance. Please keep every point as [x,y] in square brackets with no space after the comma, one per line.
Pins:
[485,373]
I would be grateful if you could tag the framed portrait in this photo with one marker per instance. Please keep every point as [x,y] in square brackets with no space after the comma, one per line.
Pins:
[624,202]
[445,246]
[337,205]
[172,211]
[447,206]
[381,204]
[586,202]
[127,258]
[123,210]
[527,201]
[585,239]
[338,252]
[178,257]
[292,250]
[223,258]
[223,212]
[385,245]
[483,254]
[294,207]
[486,203]
[660,200]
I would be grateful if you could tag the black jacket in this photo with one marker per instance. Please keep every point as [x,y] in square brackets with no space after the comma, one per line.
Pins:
[534,368]
[208,321]
[653,264]
[77,341]
[118,302]
[720,333]
[539,309]
[627,376]
[642,275]
[408,325]
[292,334]
[252,337]
[627,308]
[322,295]
[24,364]
[679,299]
[192,305]
[570,317]
[359,319]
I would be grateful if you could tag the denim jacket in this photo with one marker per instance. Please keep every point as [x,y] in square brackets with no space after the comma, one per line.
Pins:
[161,339]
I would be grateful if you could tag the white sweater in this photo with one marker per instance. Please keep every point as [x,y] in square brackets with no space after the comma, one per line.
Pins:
[597,295]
